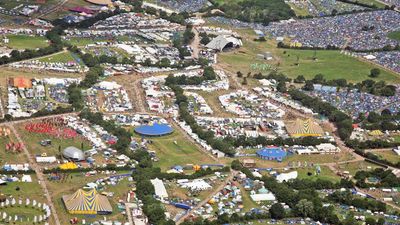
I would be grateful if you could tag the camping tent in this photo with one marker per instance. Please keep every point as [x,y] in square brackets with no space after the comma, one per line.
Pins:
[87,202]
[304,128]
[376,133]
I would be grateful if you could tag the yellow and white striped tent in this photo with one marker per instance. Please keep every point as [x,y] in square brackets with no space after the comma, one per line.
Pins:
[87,202]
[304,128]
[376,133]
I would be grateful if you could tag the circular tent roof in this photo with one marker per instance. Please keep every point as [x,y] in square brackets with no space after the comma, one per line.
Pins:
[156,129]
[274,152]
[73,153]
[100,2]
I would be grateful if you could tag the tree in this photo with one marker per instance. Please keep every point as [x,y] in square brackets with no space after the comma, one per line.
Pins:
[209,73]
[381,221]
[370,221]
[281,87]
[300,79]
[318,79]
[375,73]
[305,208]
[309,86]
[244,82]
[164,62]
[239,74]
[277,211]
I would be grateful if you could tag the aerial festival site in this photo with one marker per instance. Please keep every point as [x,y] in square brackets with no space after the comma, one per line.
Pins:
[200,112]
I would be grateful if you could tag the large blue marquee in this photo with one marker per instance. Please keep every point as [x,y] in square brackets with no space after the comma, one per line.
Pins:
[155,129]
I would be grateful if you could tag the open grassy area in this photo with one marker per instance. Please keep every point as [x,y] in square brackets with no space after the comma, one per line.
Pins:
[298,11]
[26,42]
[213,101]
[63,11]
[332,64]
[175,149]
[326,174]
[73,182]
[32,141]
[32,190]
[373,2]
[8,156]
[395,35]
[62,57]
[13,4]
[388,155]
[353,167]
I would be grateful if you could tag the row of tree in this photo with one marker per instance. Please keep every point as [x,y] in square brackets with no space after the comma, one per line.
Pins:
[379,88]
[243,141]
[348,198]
[184,114]
[386,178]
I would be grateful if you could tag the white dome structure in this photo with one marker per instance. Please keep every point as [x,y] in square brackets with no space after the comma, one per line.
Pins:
[73,153]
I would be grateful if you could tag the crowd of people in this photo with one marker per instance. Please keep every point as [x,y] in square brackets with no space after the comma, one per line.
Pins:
[325,7]
[355,102]
[185,5]
[387,59]
[360,31]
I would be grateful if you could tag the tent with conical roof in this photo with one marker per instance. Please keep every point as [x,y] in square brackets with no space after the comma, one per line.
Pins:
[304,128]
[87,202]
[376,133]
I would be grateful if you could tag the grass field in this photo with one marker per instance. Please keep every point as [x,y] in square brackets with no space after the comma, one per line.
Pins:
[298,11]
[315,159]
[9,157]
[26,42]
[63,11]
[213,101]
[326,174]
[375,2]
[356,166]
[388,155]
[32,141]
[62,57]
[13,4]
[175,149]
[31,190]
[332,64]
[395,35]
[73,182]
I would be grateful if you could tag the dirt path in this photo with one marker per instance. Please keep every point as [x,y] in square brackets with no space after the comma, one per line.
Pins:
[39,175]
[195,45]
[216,190]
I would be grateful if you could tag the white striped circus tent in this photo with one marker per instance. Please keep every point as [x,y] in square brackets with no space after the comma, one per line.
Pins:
[87,202]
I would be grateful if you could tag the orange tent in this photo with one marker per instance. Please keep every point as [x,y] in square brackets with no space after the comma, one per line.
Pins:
[21,82]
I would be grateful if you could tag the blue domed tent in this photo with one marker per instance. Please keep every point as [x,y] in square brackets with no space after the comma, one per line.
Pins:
[272,153]
[156,129]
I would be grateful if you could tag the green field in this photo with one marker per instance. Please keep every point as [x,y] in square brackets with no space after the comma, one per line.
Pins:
[15,3]
[26,42]
[175,149]
[32,141]
[32,190]
[395,35]
[388,155]
[374,2]
[9,157]
[332,64]
[357,166]
[73,182]
[326,174]
[62,57]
